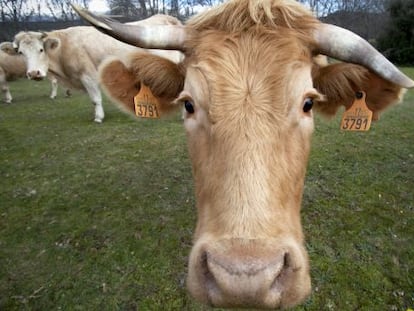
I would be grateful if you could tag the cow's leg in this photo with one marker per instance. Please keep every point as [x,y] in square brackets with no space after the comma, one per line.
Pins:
[7,95]
[5,88]
[91,86]
[54,85]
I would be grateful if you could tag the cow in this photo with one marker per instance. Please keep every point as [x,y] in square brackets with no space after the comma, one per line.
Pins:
[73,55]
[250,85]
[13,66]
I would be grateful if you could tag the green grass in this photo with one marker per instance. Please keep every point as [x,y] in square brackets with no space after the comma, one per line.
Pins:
[100,217]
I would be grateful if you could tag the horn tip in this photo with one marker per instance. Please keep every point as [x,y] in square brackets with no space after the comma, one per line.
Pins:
[89,17]
[410,83]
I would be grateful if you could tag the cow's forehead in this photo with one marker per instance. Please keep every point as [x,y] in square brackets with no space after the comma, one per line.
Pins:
[238,70]
[29,39]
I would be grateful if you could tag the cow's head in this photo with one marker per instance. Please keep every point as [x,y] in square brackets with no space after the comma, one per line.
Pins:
[35,46]
[248,84]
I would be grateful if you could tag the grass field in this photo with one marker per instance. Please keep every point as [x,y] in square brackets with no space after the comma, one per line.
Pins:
[100,217]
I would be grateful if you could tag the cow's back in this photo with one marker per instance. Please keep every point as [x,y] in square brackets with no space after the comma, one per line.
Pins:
[13,66]
[84,46]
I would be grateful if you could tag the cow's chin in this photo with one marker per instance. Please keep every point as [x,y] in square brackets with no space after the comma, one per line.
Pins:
[249,273]
[37,78]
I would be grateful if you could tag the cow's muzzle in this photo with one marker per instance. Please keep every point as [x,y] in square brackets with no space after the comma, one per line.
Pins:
[249,273]
[35,75]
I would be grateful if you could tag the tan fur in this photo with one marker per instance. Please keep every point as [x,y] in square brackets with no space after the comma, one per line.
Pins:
[12,66]
[340,82]
[236,16]
[119,83]
[148,67]
[122,83]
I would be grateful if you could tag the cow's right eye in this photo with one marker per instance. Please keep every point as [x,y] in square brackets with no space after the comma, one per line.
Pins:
[41,50]
[307,104]
[189,106]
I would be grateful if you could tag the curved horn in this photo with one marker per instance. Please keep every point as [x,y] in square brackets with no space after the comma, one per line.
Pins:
[164,37]
[347,46]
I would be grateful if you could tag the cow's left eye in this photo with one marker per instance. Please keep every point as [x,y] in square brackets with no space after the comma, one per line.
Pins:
[307,104]
[189,106]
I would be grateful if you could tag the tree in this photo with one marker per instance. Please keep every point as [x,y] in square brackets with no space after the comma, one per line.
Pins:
[15,10]
[326,7]
[398,41]
[62,10]
[127,8]
[138,9]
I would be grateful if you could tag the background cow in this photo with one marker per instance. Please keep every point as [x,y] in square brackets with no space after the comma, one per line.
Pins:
[73,55]
[13,66]
[249,84]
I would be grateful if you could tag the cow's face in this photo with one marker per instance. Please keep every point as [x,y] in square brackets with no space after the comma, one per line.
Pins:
[249,123]
[34,47]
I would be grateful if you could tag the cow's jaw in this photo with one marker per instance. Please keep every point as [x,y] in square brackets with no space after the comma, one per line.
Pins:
[249,174]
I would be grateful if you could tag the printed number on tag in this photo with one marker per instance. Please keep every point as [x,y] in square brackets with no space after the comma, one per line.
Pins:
[358,117]
[146,104]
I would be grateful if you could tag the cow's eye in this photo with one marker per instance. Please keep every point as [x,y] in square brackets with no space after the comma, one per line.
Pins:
[41,50]
[189,106]
[307,104]
[20,52]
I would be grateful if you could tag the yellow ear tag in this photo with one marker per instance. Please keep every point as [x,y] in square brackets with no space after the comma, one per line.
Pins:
[146,104]
[358,117]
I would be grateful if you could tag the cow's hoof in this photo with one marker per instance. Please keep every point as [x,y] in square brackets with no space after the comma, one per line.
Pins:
[98,120]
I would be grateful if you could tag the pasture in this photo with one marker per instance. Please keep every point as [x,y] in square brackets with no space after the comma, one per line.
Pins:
[100,216]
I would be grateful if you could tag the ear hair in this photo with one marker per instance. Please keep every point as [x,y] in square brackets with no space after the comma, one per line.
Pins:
[165,78]
[8,48]
[51,43]
[123,82]
[340,82]
[119,83]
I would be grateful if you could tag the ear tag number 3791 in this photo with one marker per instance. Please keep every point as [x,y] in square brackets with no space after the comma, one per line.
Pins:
[358,117]
[146,104]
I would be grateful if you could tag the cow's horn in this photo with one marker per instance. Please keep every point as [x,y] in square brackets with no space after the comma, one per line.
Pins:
[164,37]
[347,46]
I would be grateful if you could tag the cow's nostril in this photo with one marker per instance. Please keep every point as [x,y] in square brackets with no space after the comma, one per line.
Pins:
[282,278]
[209,277]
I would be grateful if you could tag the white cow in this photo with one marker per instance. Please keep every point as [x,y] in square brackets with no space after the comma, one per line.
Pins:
[13,66]
[73,55]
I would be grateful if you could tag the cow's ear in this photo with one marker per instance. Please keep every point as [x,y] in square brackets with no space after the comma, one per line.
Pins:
[51,43]
[123,82]
[341,81]
[8,48]
[119,84]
